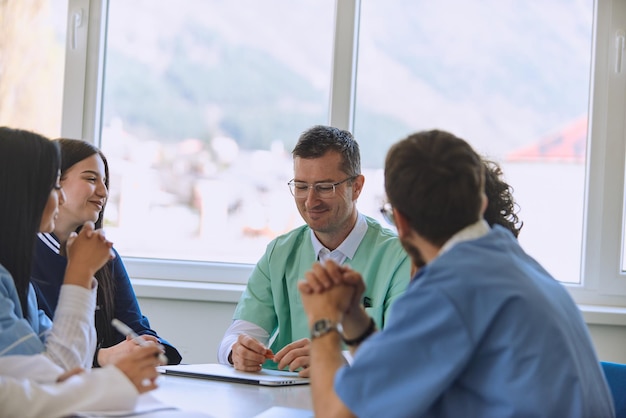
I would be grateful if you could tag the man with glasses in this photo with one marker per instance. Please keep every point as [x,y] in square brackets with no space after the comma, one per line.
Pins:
[326,185]
[482,330]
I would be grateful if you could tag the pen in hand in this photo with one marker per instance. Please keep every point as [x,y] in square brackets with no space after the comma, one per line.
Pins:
[128,332]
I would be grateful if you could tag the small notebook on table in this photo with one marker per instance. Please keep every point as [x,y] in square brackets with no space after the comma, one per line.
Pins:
[212,371]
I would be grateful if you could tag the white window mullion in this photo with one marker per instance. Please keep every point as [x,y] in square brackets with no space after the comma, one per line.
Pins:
[604,283]
[344,64]
[83,69]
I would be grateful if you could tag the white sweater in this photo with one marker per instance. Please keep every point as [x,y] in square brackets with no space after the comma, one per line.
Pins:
[100,390]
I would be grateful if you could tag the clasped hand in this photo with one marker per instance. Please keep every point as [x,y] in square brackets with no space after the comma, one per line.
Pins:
[87,252]
[331,291]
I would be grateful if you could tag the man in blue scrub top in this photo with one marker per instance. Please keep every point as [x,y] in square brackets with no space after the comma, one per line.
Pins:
[482,330]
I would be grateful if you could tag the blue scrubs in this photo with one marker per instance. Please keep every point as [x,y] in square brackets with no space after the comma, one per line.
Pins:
[482,331]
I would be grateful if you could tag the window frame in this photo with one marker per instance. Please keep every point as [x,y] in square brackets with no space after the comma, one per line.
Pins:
[602,281]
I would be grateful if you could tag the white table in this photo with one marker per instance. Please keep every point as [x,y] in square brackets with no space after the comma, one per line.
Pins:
[229,400]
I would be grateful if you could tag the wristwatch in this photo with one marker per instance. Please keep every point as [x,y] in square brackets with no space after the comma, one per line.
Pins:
[323,327]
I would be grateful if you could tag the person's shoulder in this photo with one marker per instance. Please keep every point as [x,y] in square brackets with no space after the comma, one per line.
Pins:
[500,232]
[374,225]
[498,240]
[5,275]
[383,241]
[117,260]
[379,233]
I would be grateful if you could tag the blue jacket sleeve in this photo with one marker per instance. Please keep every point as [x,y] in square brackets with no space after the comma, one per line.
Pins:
[16,334]
[127,310]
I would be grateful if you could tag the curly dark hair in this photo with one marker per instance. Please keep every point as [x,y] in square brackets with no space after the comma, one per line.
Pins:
[435,180]
[502,208]
[443,170]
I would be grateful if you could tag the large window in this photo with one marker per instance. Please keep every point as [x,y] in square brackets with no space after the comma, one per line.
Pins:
[511,78]
[202,105]
[198,103]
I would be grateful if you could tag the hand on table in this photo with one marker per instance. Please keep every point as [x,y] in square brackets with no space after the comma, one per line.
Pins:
[139,366]
[110,355]
[248,354]
[295,356]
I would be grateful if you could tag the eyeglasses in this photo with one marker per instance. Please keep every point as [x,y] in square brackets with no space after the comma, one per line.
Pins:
[387,211]
[300,189]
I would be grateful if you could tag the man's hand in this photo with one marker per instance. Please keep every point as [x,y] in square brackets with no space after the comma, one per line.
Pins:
[329,276]
[328,292]
[295,356]
[248,354]
[333,303]
[335,292]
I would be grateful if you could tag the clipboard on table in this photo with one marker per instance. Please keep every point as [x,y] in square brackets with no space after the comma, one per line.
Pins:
[222,372]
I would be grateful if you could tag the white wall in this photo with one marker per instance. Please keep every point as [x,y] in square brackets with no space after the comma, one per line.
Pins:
[610,342]
[196,328]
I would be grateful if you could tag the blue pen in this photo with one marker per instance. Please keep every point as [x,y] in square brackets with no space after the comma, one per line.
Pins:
[128,332]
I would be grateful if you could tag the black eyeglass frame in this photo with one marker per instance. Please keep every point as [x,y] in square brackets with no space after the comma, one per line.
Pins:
[318,188]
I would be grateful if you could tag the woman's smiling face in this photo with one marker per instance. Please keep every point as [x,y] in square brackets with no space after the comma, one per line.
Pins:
[85,191]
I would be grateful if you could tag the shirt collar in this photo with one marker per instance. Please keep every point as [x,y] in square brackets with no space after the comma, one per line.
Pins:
[470,232]
[51,241]
[349,245]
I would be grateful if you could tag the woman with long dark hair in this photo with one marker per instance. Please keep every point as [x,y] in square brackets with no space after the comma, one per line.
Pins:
[31,194]
[35,354]
[85,180]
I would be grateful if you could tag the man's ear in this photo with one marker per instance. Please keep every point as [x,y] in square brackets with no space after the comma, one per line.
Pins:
[357,186]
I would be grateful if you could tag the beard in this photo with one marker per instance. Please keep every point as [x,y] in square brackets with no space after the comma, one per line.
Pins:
[417,261]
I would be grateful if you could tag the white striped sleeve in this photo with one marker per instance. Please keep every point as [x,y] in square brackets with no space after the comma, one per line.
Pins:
[72,340]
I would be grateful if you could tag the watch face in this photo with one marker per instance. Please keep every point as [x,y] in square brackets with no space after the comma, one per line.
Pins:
[321,325]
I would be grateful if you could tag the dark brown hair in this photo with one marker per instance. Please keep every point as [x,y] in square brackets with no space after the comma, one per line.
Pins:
[436,181]
[501,208]
[72,152]
[318,140]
